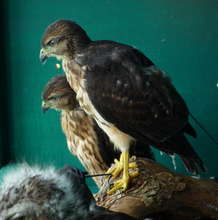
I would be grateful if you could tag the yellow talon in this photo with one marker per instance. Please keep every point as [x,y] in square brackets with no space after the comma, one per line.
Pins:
[121,184]
[133,174]
[133,165]
[122,164]
[118,167]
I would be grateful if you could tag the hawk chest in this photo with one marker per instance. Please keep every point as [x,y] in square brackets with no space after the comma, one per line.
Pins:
[75,76]
[81,137]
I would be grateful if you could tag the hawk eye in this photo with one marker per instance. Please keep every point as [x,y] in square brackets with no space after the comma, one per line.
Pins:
[55,97]
[51,42]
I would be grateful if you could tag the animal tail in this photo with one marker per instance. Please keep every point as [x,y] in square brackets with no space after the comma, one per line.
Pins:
[179,144]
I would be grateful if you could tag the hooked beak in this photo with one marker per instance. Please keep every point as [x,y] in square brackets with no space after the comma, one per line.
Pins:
[45,108]
[43,56]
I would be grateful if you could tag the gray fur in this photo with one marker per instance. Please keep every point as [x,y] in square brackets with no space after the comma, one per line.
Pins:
[45,193]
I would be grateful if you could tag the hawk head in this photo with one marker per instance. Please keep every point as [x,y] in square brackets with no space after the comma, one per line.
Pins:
[62,39]
[58,95]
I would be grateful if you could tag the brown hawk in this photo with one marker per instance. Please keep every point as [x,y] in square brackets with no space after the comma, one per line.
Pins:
[85,139]
[129,97]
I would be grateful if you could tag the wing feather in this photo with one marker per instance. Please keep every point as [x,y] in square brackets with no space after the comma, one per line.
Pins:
[145,98]
[129,91]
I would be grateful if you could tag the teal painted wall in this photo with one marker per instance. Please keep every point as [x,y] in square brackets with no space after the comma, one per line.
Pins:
[179,36]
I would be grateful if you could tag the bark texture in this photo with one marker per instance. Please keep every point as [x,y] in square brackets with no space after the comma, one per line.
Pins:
[163,194]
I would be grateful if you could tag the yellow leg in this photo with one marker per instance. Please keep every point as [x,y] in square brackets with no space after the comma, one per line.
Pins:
[115,170]
[125,170]
[119,165]
[122,184]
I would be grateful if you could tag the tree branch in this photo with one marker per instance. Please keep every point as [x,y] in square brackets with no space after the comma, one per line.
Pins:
[157,189]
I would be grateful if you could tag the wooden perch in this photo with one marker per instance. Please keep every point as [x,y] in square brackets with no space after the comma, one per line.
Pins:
[158,189]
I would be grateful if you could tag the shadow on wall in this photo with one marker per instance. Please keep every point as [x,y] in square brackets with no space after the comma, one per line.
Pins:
[5,95]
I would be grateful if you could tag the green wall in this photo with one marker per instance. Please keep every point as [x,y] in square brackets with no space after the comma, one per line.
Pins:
[179,36]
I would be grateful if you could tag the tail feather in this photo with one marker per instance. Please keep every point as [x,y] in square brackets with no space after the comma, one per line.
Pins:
[193,165]
[179,145]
